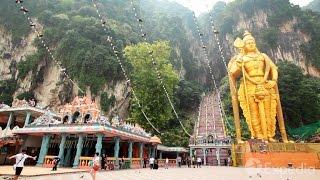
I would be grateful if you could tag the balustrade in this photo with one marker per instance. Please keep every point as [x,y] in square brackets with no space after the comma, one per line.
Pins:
[48,161]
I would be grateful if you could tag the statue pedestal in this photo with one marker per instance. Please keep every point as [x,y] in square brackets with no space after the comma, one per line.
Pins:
[278,155]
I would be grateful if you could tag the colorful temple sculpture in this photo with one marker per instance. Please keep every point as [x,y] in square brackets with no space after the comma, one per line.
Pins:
[75,134]
[209,141]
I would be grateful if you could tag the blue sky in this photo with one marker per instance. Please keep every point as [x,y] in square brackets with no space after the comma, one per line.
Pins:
[201,6]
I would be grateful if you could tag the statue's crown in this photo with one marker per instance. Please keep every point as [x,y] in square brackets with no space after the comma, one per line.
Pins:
[247,35]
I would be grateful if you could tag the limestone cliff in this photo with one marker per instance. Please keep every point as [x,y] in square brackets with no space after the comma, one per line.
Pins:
[46,82]
[282,40]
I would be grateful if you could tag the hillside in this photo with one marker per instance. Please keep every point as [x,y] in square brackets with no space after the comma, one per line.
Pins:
[74,33]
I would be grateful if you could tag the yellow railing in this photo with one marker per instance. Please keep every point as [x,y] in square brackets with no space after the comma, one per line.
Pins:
[48,161]
[136,163]
[172,162]
[84,162]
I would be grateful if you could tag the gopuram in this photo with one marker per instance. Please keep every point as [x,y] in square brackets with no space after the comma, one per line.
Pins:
[259,99]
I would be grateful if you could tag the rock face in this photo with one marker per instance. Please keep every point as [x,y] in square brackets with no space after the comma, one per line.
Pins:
[53,88]
[288,43]
[10,55]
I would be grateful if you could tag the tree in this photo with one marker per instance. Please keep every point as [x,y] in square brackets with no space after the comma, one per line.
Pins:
[146,84]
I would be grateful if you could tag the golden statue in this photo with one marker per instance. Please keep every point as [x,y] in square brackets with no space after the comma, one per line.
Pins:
[258,93]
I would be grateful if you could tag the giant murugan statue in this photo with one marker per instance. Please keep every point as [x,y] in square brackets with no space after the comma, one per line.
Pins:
[258,93]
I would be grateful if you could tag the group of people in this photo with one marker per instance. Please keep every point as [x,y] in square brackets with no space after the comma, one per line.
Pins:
[194,161]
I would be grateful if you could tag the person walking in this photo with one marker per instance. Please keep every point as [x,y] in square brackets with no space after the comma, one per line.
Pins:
[56,161]
[151,162]
[179,161]
[95,165]
[20,158]
[122,163]
[193,162]
[188,162]
[166,164]
[199,162]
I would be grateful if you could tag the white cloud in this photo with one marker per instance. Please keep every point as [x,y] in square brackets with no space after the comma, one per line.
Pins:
[202,6]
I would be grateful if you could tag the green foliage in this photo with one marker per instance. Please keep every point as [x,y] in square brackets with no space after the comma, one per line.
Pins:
[147,86]
[304,132]
[188,95]
[310,24]
[28,65]
[25,95]
[12,20]
[6,98]
[270,36]
[7,89]
[106,102]
[300,95]
[151,94]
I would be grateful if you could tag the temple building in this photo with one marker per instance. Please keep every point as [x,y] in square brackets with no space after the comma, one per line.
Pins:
[74,134]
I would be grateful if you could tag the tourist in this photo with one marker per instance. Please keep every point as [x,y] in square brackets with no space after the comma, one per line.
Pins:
[20,158]
[166,164]
[229,161]
[188,162]
[155,164]
[179,161]
[56,161]
[151,161]
[122,163]
[194,162]
[95,165]
[199,162]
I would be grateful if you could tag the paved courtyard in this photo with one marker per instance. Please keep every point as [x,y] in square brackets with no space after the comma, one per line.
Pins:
[204,173]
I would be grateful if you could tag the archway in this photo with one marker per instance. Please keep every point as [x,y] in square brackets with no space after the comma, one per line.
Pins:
[75,116]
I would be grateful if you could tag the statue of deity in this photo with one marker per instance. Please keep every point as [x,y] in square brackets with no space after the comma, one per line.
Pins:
[258,93]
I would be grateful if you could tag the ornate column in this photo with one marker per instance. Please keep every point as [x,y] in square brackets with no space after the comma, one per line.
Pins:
[204,156]
[130,152]
[79,150]
[27,120]
[9,123]
[44,149]
[116,151]
[99,143]
[149,151]
[218,155]
[160,155]
[61,148]
[9,120]
[141,154]
[153,153]
[68,156]
[191,152]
